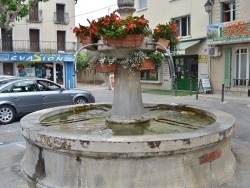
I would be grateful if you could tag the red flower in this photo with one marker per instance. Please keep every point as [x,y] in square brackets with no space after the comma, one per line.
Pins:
[77,30]
[131,26]
[174,27]
[118,21]
[143,21]
[167,31]
[112,26]
[158,29]
[105,23]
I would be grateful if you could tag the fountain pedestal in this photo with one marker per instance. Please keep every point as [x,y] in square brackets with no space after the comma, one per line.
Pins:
[201,158]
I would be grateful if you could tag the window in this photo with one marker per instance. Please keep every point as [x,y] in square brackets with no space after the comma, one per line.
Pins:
[6,40]
[34,40]
[227,12]
[183,26]
[149,75]
[61,35]
[242,67]
[44,85]
[142,4]
[6,89]
[25,86]
[60,16]
[34,14]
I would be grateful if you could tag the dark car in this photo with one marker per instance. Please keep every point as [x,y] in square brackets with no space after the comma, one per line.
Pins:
[22,96]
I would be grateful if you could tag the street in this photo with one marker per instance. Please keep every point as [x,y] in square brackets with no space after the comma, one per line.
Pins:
[12,144]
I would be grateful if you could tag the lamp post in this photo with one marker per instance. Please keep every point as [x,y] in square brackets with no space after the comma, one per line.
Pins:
[208,8]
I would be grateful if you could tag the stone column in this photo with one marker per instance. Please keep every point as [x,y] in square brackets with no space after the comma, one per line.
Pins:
[126,8]
[127,103]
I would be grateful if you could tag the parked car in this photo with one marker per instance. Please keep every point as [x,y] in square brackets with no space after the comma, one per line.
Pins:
[4,80]
[5,76]
[19,97]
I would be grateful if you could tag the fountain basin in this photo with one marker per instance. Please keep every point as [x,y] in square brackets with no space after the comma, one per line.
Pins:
[201,158]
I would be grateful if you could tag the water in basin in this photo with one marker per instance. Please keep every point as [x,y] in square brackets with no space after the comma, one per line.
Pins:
[163,120]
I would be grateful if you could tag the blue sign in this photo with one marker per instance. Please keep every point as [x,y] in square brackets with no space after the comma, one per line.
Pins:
[33,57]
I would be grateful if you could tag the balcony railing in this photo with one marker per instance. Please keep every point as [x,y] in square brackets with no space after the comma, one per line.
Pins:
[61,18]
[42,46]
[35,17]
[240,82]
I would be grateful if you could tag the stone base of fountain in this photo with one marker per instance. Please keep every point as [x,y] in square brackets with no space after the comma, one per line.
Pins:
[201,158]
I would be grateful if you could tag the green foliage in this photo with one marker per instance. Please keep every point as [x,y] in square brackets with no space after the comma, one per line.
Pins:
[156,56]
[15,9]
[113,26]
[167,31]
[82,62]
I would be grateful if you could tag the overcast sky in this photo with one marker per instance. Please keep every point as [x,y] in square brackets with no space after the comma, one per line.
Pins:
[93,9]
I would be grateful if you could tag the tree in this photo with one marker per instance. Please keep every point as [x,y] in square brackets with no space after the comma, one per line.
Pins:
[11,10]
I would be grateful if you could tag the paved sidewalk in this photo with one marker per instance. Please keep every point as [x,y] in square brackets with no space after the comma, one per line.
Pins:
[207,97]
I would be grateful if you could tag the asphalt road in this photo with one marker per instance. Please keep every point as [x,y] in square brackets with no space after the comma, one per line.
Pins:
[12,144]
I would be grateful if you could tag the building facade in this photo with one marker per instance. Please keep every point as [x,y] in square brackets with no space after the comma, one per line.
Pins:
[191,60]
[229,44]
[42,44]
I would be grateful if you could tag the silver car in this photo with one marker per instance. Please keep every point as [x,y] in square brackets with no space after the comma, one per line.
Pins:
[25,95]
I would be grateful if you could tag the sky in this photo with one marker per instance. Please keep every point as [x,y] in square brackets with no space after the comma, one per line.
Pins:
[93,9]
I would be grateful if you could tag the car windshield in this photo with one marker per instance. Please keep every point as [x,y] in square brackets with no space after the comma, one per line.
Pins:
[7,80]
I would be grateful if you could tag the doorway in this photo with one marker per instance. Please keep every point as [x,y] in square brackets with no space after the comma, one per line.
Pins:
[59,73]
[8,69]
[186,70]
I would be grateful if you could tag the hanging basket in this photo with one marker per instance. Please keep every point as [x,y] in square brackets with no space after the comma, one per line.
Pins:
[100,67]
[163,42]
[127,41]
[88,40]
[146,65]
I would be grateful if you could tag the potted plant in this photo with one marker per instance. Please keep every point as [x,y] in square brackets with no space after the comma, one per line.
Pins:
[166,34]
[106,64]
[134,60]
[116,31]
[156,57]
[86,34]
[139,60]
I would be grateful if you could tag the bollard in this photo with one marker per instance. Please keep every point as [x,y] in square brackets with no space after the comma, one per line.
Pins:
[190,87]
[197,91]
[175,89]
[222,93]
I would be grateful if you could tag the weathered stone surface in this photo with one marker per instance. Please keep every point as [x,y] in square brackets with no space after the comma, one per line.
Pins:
[59,159]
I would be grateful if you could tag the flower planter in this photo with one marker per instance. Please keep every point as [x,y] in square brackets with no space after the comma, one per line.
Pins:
[127,41]
[100,67]
[163,42]
[88,40]
[146,65]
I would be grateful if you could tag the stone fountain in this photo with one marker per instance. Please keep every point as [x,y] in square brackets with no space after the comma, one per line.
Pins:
[59,158]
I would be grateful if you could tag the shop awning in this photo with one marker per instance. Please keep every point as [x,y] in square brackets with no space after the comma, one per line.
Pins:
[185,45]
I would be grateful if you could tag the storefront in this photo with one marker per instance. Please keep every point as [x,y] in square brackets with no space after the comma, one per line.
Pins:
[59,68]
[230,57]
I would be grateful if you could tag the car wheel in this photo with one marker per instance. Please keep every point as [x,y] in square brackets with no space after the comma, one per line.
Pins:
[80,100]
[7,114]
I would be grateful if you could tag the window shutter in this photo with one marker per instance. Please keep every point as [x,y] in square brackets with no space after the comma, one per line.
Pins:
[221,12]
[227,71]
